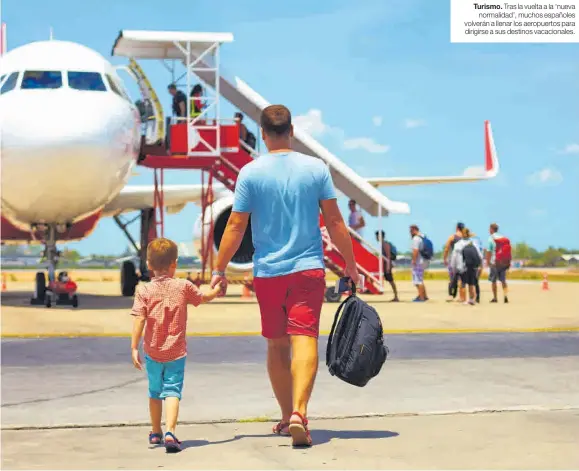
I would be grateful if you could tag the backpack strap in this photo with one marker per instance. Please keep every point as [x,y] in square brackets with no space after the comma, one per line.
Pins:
[336,317]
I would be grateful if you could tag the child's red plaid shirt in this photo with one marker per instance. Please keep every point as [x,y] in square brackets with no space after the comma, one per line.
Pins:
[163,304]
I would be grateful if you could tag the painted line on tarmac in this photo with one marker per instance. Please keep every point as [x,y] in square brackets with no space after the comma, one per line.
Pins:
[370,415]
[323,332]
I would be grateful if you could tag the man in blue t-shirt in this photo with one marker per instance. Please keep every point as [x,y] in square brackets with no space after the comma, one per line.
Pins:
[283,191]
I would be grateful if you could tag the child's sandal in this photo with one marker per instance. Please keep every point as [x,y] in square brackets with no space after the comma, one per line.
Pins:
[172,445]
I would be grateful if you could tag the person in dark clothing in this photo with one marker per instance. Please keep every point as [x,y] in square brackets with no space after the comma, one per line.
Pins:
[387,254]
[179,101]
[246,136]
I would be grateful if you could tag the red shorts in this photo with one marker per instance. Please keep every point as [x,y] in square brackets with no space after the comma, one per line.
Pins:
[291,304]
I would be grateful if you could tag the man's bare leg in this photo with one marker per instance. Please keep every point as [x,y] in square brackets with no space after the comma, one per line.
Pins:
[280,373]
[494,287]
[304,368]
[156,412]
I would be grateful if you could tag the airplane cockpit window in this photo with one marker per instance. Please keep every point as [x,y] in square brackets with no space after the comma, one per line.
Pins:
[89,81]
[2,77]
[116,89]
[41,79]
[10,83]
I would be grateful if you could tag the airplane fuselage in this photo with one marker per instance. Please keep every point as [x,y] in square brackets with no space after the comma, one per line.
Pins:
[69,136]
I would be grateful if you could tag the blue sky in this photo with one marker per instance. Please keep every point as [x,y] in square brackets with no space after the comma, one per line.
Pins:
[384,89]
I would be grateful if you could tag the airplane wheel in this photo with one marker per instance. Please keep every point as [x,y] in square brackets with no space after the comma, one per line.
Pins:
[332,297]
[75,301]
[40,289]
[129,278]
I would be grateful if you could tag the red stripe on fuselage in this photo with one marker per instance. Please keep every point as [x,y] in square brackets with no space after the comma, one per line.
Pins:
[79,230]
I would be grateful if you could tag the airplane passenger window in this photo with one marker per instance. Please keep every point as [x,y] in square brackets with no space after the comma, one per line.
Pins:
[10,83]
[41,79]
[90,81]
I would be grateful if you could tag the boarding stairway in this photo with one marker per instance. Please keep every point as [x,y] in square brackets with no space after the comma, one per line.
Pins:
[225,168]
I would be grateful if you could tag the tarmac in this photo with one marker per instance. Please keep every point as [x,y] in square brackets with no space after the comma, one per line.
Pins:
[483,387]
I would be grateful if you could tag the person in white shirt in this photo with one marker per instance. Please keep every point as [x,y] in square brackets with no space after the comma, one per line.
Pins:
[356,220]
[466,260]
[419,264]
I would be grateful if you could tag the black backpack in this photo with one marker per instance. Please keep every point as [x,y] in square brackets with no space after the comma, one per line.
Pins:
[470,256]
[356,349]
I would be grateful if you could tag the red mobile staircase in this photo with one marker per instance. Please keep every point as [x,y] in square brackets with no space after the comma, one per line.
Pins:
[225,168]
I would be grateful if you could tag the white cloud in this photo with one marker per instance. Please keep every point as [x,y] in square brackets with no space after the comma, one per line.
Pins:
[312,122]
[476,171]
[410,123]
[547,176]
[377,120]
[571,149]
[366,143]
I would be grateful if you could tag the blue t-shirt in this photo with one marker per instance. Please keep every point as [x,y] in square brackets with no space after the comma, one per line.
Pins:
[282,191]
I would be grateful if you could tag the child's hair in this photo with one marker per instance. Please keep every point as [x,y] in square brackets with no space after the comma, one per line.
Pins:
[466,233]
[161,253]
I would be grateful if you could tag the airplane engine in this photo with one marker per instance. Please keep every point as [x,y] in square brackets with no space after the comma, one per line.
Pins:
[242,261]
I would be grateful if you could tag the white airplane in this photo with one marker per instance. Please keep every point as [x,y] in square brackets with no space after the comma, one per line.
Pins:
[69,139]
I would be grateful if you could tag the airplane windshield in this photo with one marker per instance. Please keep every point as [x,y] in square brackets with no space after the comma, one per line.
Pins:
[90,81]
[34,79]
[116,88]
[10,83]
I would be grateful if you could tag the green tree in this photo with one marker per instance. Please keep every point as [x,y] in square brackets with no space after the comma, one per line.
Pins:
[522,251]
[551,257]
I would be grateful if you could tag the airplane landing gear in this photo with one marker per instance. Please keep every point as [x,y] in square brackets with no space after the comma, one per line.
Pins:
[130,277]
[60,290]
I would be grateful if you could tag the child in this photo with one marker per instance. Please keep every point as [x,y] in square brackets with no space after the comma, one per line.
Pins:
[160,308]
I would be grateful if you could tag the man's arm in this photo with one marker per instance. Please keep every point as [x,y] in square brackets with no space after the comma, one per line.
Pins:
[182,108]
[361,222]
[232,238]
[338,230]
[415,250]
[447,249]
[386,247]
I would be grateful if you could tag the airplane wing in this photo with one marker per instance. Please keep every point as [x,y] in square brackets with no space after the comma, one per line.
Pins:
[471,174]
[175,197]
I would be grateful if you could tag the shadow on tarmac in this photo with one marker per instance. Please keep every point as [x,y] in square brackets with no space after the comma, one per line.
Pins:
[319,437]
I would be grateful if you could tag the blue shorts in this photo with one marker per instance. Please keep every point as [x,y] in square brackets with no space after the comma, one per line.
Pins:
[165,379]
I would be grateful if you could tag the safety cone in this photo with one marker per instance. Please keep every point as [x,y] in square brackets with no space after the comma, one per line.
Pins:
[545,282]
[3,282]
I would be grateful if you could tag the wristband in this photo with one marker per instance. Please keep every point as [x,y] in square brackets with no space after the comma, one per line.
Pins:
[217,273]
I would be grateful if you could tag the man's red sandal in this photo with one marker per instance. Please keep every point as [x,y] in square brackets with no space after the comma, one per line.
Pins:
[299,430]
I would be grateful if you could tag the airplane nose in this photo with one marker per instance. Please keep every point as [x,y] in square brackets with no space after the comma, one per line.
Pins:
[79,146]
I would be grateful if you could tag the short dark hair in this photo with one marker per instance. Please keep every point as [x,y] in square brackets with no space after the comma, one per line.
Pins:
[197,89]
[495,227]
[352,202]
[172,86]
[276,120]
[239,115]
[414,227]
[459,226]
[381,232]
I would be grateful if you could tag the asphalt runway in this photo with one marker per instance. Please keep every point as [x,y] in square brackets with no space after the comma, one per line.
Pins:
[90,381]
[47,352]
